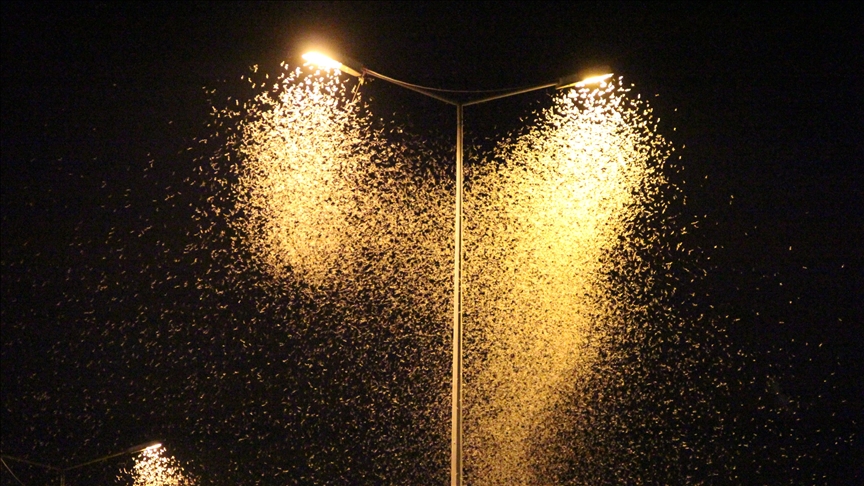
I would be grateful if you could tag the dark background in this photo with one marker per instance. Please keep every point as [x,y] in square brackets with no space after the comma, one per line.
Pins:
[103,106]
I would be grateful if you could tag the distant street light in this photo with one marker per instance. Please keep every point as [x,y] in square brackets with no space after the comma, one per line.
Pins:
[63,470]
[355,68]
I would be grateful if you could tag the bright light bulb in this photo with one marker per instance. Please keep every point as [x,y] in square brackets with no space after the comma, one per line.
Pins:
[321,60]
[594,79]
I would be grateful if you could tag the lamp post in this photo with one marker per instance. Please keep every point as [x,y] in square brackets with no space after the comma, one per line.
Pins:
[63,470]
[358,70]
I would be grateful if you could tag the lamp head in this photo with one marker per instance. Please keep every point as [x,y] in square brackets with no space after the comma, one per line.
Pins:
[324,61]
[154,444]
[596,75]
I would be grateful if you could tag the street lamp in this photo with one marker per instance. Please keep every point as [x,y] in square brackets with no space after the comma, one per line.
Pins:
[355,68]
[63,470]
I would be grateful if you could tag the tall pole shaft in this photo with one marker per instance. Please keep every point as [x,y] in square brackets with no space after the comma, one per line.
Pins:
[456,417]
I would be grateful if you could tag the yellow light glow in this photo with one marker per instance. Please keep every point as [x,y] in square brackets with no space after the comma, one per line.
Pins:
[594,80]
[543,217]
[550,221]
[153,447]
[154,467]
[301,189]
[321,60]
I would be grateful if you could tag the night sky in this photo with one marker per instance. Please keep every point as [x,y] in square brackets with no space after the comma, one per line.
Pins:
[109,338]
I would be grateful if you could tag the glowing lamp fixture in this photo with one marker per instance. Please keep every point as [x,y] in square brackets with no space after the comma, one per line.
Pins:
[147,446]
[327,62]
[594,79]
[585,78]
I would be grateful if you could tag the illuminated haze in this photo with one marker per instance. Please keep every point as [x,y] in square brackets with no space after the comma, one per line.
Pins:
[154,468]
[324,209]
[572,260]
[543,211]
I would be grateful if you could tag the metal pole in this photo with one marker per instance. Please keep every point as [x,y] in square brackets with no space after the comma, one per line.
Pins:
[456,417]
